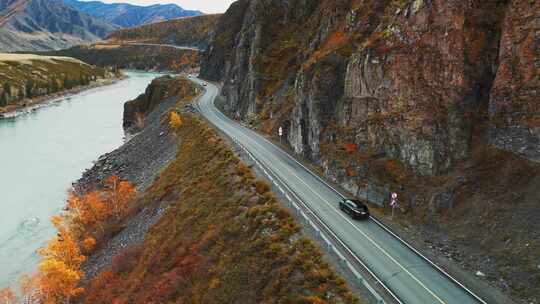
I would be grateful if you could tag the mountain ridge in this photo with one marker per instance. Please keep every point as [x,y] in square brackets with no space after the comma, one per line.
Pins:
[129,15]
[46,24]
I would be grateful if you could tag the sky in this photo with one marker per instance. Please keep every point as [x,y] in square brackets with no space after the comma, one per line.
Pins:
[206,6]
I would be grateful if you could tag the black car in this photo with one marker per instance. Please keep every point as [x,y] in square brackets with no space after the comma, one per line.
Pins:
[355,208]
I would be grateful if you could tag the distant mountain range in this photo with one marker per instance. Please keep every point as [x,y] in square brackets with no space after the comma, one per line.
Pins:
[46,24]
[30,25]
[127,15]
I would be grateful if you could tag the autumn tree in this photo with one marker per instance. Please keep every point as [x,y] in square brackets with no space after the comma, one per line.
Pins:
[58,282]
[60,268]
[29,286]
[87,212]
[175,121]
[59,271]
[119,194]
[7,296]
[63,247]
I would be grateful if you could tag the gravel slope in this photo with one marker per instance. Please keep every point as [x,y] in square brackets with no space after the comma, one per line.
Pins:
[139,160]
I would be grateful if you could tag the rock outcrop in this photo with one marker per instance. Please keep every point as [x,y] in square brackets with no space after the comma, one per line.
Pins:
[515,98]
[163,88]
[193,31]
[436,100]
[406,79]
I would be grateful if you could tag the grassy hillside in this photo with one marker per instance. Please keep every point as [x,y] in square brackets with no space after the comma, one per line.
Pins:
[224,239]
[25,76]
[193,31]
[134,57]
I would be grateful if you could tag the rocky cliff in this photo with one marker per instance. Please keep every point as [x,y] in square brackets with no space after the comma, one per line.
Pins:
[436,100]
[406,79]
[135,57]
[515,99]
[135,111]
[193,32]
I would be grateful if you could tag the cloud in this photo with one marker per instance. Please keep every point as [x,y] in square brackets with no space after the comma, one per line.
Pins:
[206,6]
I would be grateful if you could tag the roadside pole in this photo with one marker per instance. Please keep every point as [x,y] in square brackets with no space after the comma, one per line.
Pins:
[394,203]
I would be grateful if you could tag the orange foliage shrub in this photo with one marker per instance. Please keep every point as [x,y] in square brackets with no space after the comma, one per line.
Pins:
[118,194]
[336,39]
[7,296]
[175,121]
[350,148]
[59,271]
[261,187]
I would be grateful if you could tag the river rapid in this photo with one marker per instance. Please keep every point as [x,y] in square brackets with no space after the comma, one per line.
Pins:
[42,153]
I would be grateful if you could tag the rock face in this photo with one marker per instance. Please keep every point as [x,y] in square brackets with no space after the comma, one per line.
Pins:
[193,31]
[409,80]
[515,100]
[436,100]
[135,111]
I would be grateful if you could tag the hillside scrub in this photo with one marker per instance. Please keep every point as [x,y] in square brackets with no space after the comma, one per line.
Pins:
[434,100]
[224,238]
[193,31]
[34,76]
[138,57]
[87,220]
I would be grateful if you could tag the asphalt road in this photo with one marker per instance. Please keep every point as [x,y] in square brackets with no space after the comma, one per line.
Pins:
[409,276]
[166,45]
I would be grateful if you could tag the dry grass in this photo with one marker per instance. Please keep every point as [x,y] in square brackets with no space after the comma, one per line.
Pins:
[225,239]
[27,58]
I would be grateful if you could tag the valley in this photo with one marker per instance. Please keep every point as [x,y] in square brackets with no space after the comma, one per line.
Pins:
[226,188]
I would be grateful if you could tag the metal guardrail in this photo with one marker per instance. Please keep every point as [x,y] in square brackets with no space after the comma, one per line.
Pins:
[277,181]
[387,229]
[323,232]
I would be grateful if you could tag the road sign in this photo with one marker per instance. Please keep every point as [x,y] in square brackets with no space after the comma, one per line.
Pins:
[280,131]
[394,203]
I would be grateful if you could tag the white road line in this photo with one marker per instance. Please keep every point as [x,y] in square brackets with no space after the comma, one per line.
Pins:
[362,232]
[354,226]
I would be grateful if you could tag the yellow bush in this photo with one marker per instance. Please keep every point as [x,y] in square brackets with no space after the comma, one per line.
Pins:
[175,121]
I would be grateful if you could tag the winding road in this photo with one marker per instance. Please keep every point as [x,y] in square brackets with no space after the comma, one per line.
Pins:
[178,47]
[405,274]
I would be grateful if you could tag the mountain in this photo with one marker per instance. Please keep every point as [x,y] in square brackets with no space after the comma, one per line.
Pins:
[46,24]
[436,100]
[127,15]
[192,31]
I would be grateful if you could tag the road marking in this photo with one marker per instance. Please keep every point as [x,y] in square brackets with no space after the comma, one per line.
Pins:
[255,143]
[359,230]
[334,209]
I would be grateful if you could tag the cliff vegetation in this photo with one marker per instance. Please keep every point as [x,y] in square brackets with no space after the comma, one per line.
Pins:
[23,77]
[139,57]
[192,31]
[223,239]
[434,100]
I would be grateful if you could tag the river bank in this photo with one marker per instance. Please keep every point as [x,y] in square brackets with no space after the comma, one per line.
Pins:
[139,160]
[32,104]
[48,149]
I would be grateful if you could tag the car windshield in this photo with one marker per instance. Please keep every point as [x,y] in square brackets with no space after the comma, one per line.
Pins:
[356,204]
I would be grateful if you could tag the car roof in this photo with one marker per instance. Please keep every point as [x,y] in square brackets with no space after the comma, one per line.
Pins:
[356,202]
